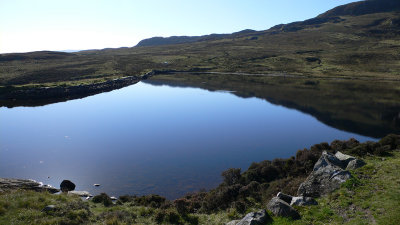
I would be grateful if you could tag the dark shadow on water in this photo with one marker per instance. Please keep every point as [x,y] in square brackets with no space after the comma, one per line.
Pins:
[370,108]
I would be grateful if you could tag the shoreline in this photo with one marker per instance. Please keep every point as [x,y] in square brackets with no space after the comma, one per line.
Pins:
[352,146]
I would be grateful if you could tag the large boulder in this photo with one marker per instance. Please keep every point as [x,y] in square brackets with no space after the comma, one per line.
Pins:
[328,174]
[255,218]
[281,208]
[67,185]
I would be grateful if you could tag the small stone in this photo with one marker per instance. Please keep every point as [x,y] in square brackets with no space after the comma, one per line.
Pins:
[49,208]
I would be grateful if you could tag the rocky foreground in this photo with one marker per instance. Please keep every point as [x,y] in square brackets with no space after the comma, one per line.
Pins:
[327,176]
[348,182]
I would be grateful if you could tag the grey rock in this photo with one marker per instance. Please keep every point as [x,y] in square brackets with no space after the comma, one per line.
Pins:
[328,159]
[255,218]
[14,184]
[80,193]
[303,201]
[326,177]
[355,164]
[285,197]
[49,208]
[344,158]
[280,208]
[233,222]
[67,185]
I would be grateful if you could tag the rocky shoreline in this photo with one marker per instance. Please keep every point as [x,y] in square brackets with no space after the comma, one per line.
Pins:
[334,166]
[7,184]
[12,97]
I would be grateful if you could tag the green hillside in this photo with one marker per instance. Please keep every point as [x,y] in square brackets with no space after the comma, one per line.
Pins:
[357,40]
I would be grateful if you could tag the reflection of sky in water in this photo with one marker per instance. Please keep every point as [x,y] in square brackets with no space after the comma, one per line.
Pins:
[151,139]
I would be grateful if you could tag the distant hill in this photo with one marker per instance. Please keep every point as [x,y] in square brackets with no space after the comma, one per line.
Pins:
[156,41]
[363,7]
[39,55]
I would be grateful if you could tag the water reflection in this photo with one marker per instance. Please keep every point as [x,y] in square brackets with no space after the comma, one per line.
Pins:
[151,139]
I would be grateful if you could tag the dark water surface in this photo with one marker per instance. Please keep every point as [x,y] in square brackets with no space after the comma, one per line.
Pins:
[151,139]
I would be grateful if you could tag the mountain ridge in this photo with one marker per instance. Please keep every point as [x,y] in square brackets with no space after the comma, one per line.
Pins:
[156,41]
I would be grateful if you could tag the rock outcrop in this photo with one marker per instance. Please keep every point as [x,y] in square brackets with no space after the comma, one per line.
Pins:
[13,184]
[328,174]
[281,208]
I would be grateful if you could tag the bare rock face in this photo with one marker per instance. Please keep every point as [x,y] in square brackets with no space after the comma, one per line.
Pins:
[13,184]
[345,159]
[303,201]
[355,164]
[328,174]
[67,185]
[233,222]
[255,218]
[281,208]
[285,197]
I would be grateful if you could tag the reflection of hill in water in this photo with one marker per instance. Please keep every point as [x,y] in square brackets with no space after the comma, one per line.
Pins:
[370,108]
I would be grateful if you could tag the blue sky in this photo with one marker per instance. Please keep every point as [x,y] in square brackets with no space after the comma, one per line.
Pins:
[32,25]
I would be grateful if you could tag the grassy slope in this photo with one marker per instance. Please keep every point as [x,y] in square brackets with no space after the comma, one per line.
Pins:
[373,196]
[356,46]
